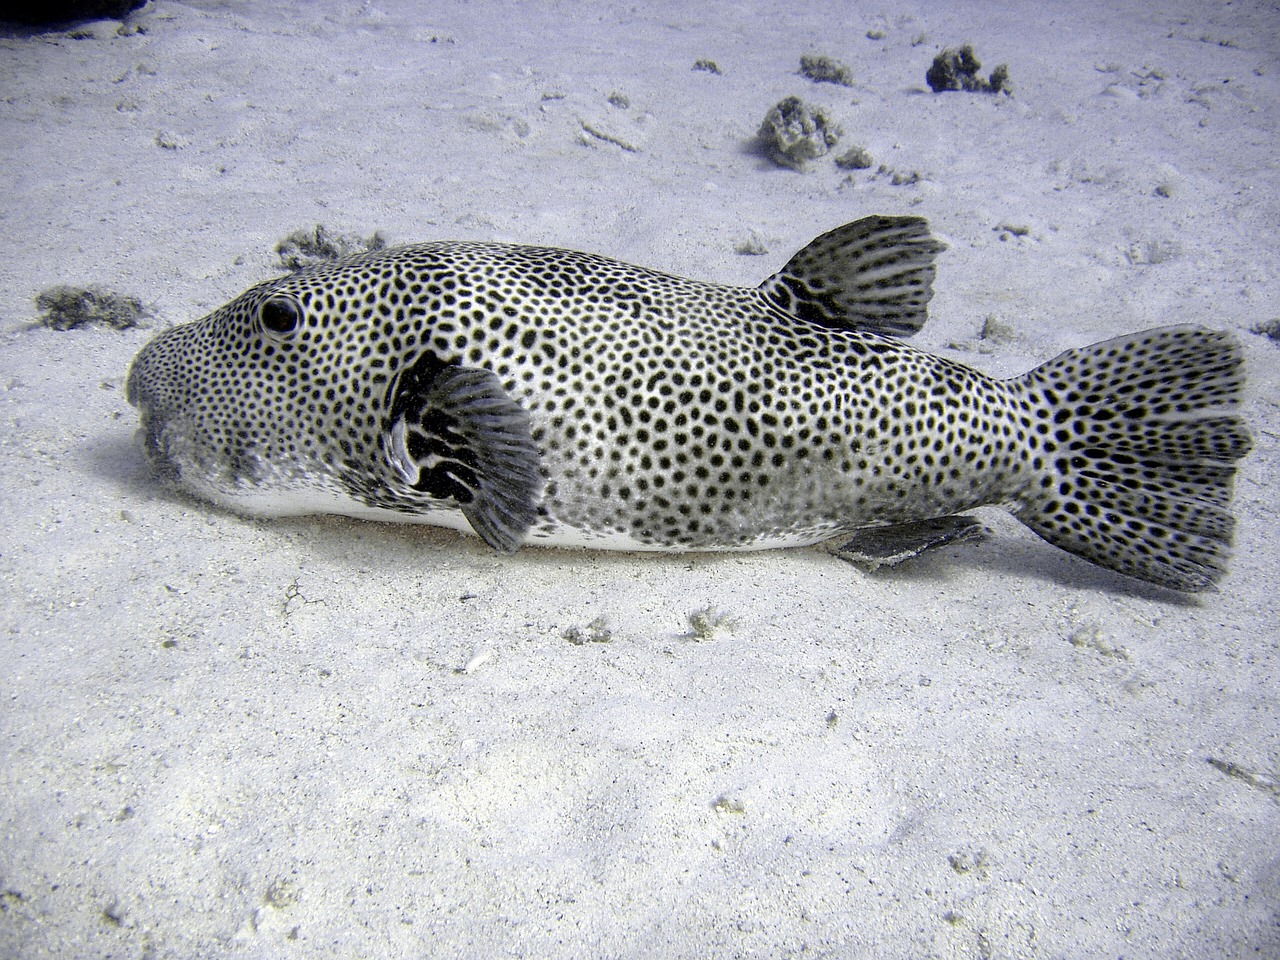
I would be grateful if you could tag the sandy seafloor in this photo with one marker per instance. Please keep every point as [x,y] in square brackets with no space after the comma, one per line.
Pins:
[326,738]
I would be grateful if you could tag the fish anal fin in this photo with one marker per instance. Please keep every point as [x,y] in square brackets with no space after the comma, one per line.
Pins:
[875,274]
[456,434]
[887,546]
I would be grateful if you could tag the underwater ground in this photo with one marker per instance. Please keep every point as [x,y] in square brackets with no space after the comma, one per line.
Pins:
[324,738]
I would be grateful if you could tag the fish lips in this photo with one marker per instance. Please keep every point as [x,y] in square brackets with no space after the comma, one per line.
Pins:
[161,444]
[150,436]
[166,435]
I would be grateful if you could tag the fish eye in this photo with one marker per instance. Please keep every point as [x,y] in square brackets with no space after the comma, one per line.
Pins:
[279,315]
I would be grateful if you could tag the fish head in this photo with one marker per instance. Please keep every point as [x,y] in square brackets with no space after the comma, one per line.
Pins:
[358,387]
[259,405]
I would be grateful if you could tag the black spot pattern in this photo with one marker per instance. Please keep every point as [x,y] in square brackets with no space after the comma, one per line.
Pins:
[673,414]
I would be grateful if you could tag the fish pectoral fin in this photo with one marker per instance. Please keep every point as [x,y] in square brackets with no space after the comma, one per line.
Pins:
[457,434]
[875,547]
[875,274]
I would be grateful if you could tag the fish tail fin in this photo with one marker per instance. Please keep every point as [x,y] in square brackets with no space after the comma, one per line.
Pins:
[1134,444]
[874,274]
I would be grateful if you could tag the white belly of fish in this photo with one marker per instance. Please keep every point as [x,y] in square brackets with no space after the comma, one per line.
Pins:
[320,502]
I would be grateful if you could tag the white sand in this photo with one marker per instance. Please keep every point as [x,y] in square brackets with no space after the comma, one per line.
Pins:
[326,738]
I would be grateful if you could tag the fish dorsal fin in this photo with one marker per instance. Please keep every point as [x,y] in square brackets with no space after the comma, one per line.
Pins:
[456,434]
[874,274]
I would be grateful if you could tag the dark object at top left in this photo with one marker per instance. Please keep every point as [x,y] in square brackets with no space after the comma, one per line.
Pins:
[64,11]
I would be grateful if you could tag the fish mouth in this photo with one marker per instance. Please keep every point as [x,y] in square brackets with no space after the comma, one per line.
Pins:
[179,460]
[212,468]
[150,435]
[179,453]
[153,436]
[164,435]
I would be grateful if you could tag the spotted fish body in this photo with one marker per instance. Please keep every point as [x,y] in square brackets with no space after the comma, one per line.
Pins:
[538,395]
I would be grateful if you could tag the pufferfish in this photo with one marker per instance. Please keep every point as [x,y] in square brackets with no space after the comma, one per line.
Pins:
[544,396]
